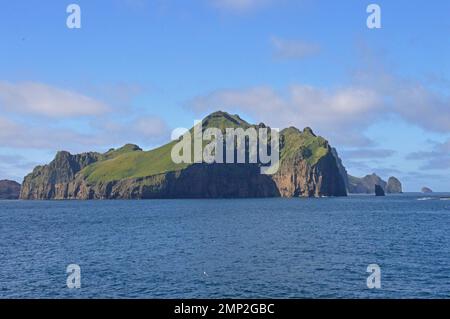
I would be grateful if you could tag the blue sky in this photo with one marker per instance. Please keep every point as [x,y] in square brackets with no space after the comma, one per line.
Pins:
[137,69]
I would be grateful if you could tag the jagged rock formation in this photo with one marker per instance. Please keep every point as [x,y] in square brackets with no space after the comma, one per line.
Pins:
[299,175]
[365,185]
[51,181]
[427,190]
[379,191]
[9,189]
[308,167]
[394,186]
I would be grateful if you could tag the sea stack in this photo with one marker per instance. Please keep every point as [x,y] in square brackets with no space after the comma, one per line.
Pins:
[394,186]
[379,191]
[426,190]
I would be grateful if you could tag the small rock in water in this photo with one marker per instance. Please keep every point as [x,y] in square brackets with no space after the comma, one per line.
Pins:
[426,190]
[379,191]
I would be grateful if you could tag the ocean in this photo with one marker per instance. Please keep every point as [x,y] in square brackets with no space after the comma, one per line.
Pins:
[246,248]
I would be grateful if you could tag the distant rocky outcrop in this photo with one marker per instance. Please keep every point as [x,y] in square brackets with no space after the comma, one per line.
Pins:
[341,168]
[52,181]
[9,189]
[308,168]
[366,184]
[427,190]
[379,191]
[394,186]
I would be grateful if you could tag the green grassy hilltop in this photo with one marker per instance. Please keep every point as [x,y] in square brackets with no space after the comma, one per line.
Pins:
[131,162]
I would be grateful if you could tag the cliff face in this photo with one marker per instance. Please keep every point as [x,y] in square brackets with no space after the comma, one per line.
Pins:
[298,176]
[196,181]
[308,167]
[9,190]
[341,167]
[394,186]
[51,181]
[366,185]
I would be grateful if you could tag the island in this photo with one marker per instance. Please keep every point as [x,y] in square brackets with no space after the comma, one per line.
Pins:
[9,190]
[308,168]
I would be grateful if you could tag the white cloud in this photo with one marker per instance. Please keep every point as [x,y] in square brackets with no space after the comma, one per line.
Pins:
[293,49]
[239,6]
[42,136]
[150,127]
[340,114]
[436,159]
[33,98]
[423,107]
[145,130]
[368,153]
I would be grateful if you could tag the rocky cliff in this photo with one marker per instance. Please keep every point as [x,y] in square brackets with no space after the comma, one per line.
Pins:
[341,168]
[394,186]
[366,185]
[308,167]
[298,176]
[9,189]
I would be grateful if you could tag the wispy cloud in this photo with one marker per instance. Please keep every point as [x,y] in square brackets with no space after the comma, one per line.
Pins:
[436,159]
[367,153]
[330,112]
[343,113]
[33,98]
[239,6]
[16,134]
[293,49]
[29,111]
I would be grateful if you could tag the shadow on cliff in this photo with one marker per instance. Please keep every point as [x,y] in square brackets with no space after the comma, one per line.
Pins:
[216,181]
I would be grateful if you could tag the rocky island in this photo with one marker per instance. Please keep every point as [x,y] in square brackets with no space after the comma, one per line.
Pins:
[308,168]
[9,190]
[367,184]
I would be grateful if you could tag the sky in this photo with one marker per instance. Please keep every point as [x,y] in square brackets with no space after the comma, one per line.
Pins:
[138,69]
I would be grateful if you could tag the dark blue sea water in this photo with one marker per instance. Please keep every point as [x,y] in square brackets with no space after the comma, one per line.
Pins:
[275,248]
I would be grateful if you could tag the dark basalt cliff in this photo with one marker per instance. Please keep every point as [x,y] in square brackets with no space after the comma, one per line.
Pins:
[9,189]
[308,168]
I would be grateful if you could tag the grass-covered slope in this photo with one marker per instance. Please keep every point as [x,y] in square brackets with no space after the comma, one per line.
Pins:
[311,147]
[308,168]
[132,162]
